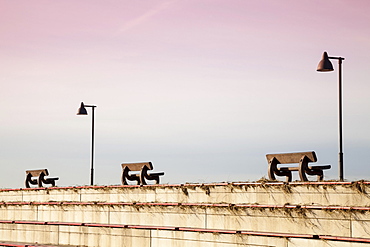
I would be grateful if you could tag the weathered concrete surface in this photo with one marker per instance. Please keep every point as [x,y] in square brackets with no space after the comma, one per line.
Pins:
[29,234]
[282,220]
[321,209]
[101,236]
[340,194]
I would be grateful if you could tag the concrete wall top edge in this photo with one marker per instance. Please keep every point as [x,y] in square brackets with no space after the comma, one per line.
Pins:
[311,193]
[256,184]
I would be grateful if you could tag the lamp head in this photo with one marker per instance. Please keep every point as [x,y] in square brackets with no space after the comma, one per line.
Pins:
[82,110]
[325,64]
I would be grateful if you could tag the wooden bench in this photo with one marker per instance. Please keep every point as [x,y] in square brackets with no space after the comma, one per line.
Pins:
[37,177]
[142,176]
[303,168]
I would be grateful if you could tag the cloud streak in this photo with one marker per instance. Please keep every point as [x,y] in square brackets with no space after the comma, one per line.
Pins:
[145,17]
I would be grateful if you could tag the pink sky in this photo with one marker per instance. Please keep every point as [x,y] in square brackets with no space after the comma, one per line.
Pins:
[182,83]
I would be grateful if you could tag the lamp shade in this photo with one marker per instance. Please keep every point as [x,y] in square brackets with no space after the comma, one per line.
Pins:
[82,110]
[325,64]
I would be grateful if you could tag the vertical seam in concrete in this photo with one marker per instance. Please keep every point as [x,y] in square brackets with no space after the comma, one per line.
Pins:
[150,238]
[108,214]
[58,234]
[350,225]
[205,218]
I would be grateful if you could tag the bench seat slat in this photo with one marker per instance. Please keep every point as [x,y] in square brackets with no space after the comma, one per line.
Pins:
[288,168]
[296,168]
[319,167]
[137,173]
[156,173]
[50,180]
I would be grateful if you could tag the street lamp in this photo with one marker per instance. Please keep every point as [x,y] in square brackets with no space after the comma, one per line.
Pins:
[326,66]
[82,111]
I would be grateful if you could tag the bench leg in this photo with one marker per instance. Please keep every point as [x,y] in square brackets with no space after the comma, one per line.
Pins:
[272,171]
[40,180]
[126,176]
[318,172]
[30,181]
[50,181]
[303,170]
[27,181]
[150,177]
[145,176]
[303,166]
[124,180]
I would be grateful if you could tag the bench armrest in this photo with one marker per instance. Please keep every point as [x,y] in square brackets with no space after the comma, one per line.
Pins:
[29,181]
[44,180]
[127,176]
[144,175]
[50,181]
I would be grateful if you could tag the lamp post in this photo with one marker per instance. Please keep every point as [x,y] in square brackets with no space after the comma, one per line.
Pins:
[326,66]
[82,111]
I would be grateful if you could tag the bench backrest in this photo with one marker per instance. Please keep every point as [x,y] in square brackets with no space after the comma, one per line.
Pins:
[36,173]
[287,158]
[137,166]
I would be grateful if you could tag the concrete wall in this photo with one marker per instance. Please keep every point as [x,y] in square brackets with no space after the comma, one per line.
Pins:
[340,194]
[94,236]
[353,223]
[237,214]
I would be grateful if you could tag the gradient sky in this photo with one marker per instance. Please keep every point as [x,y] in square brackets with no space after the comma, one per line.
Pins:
[202,88]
